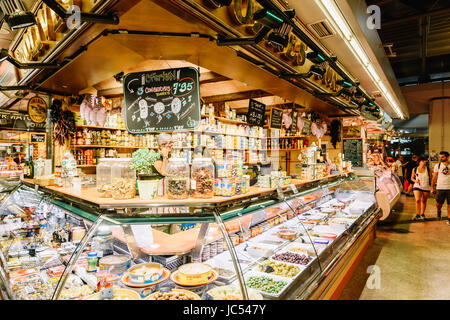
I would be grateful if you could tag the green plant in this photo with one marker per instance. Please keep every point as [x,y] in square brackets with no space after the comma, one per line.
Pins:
[143,159]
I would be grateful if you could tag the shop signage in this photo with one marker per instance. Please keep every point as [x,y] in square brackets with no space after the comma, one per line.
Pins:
[352,132]
[255,114]
[37,109]
[276,118]
[37,137]
[306,127]
[19,121]
[162,100]
[352,149]
[294,116]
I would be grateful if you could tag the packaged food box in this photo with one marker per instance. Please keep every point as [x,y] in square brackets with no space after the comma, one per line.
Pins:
[228,187]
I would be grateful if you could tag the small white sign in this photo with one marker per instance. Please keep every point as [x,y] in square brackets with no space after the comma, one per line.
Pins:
[143,234]
[294,188]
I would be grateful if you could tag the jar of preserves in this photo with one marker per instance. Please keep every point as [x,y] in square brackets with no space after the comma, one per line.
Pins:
[123,179]
[104,177]
[202,178]
[177,179]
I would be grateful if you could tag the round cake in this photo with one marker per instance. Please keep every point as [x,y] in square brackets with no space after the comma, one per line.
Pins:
[194,273]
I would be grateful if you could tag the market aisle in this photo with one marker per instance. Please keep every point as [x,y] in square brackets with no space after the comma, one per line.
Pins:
[413,257]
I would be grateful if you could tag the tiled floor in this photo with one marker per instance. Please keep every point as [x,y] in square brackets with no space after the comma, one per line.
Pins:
[413,257]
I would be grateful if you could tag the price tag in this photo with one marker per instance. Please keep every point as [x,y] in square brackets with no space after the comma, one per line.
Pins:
[107,293]
[294,188]
[143,235]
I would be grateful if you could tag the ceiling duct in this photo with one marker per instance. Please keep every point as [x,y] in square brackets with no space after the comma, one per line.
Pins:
[321,29]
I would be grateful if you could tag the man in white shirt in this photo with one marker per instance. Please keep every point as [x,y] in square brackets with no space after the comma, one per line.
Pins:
[441,184]
[399,167]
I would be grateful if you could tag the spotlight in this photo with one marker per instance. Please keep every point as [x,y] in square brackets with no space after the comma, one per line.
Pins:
[119,76]
[344,83]
[278,39]
[268,18]
[16,15]
[315,57]
[317,71]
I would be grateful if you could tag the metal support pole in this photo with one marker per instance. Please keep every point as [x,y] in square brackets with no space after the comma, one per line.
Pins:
[234,258]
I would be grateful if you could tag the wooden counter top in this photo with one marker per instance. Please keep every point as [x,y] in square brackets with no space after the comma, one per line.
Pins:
[91,195]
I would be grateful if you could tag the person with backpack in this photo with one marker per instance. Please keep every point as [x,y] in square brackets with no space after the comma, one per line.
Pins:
[421,177]
[441,184]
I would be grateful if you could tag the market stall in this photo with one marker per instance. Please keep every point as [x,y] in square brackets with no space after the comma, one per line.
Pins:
[301,238]
[256,197]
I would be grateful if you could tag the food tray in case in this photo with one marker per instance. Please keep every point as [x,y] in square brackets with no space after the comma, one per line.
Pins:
[276,278]
[284,250]
[301,267]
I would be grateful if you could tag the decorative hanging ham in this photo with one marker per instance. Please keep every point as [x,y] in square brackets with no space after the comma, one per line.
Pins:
[287,120]
[101,116]
[300,124]
[84,108]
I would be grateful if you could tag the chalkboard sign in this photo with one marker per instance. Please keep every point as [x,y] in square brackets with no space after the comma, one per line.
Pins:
[276,118]
[353,151]
[255,114]
[162,100]
[306,127]
[37,137]
[294,122]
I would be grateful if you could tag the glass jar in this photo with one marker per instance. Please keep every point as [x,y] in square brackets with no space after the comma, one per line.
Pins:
[177,179]
[123,179]
[104,177]
[202,178]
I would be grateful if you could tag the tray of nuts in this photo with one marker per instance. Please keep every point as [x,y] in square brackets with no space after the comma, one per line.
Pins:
[174,294]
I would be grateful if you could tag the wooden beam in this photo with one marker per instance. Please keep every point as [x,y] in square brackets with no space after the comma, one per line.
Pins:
[211,77]
[237,96]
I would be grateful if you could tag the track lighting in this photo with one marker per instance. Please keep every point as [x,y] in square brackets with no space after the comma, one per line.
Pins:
[4,55]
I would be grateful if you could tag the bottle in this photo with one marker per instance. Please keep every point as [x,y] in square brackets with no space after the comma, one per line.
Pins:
[55,236]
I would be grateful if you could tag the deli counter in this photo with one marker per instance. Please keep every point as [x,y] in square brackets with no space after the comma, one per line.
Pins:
[296,242]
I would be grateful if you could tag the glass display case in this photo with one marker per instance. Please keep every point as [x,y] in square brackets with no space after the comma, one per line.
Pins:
[279,244]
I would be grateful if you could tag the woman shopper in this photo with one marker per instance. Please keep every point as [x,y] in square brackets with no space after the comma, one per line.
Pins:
[421,176]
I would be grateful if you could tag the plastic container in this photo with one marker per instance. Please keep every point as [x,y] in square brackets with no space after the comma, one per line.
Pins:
[104,177]
[92,262]
[103,243]
[177,179]
[202,178]
[123,179]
